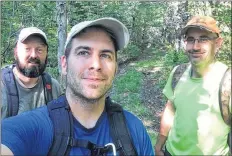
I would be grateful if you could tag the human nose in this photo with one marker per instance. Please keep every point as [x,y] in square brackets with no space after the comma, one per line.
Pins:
[196,45]
[33,53]
[95,63]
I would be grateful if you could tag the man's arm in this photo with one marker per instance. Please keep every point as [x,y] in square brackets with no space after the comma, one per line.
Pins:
[165,126]
[5,150]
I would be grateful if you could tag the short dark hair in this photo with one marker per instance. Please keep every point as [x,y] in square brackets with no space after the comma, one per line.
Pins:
[112,37]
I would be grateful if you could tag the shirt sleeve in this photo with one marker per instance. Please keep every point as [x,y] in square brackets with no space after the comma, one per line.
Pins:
[167,91]
[29,133]
[139,135]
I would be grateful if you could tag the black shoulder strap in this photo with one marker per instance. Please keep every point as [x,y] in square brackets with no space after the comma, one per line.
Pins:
[180,69]
[61,117]
[11,91]
[119,129]
[47,82]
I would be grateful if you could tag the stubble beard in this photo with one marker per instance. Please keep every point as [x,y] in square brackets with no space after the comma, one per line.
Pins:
[76,90]
[204,62]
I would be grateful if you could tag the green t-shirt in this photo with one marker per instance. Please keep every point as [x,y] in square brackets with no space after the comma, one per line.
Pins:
[198,127]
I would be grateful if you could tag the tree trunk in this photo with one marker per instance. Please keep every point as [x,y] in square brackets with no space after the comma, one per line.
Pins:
[61,31]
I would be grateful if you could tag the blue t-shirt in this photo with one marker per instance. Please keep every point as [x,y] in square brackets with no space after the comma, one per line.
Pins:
[31,133]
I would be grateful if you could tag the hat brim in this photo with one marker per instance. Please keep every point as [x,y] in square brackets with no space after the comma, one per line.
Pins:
[184,31]
[42,36]
[116,27]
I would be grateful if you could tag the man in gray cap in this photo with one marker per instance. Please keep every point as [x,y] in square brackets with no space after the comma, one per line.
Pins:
[84,121]
[24,84]
[197,116]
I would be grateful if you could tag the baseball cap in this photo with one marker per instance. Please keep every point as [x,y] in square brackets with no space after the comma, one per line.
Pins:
[118,29]
[26,32]
[203,22]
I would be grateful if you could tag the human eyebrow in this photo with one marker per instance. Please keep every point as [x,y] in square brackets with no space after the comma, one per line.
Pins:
[204,36]
[107,51]
[82,47]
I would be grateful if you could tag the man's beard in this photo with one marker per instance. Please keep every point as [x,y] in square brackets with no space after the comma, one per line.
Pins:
[33,71]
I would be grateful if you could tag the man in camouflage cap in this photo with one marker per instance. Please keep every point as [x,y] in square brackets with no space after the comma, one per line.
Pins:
[193,123]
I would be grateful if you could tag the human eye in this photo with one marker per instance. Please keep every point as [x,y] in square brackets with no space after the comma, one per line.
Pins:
[27,49]
[204,39]
[190,40]
[40,50]
[83,53]
[107,56]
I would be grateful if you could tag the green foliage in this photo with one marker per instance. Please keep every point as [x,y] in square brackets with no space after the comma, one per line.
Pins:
[53,72]
[151,63]
[153,136]
[224,55]
[173,58]
[132,51]
[127,92]
[130,82]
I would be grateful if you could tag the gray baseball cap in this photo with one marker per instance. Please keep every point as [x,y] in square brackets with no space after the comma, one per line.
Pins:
[26,32]
[118,29]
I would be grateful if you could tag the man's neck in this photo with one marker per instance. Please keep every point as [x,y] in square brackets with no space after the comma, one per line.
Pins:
[201,71]
[25,81]
[87,113]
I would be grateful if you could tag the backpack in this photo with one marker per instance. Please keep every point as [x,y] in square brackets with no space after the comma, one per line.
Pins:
[8,79]
[178,74]
[63,139]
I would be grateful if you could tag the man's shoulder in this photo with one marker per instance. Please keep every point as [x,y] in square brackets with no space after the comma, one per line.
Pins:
[131,118]
[35,116]
[6,69]
[56,87]
[39,112]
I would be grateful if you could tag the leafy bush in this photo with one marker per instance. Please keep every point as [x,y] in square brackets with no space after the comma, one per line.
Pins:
[173,58]
[132,51]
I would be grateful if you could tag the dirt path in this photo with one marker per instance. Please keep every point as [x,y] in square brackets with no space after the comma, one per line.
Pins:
[152,98]
[150,95]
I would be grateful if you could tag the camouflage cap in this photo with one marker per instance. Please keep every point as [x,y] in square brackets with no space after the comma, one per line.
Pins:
[202,22]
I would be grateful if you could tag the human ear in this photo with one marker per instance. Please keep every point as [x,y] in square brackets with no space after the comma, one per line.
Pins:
[64,65]
[218,43]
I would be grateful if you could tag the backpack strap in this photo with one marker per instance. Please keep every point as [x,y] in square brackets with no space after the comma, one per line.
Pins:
[119,129]
[47,82]
[224,96]
[63,139]
[61,117]
[180,69]
[11,90]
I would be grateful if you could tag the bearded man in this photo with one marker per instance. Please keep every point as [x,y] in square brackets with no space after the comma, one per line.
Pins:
[24,84]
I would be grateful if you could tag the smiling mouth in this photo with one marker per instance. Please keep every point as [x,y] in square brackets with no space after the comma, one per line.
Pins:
[94,79]
[33,63]
[196,54]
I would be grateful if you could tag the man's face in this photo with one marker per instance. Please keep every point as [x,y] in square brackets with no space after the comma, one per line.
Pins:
[91,65]
[201,52]
[31,56]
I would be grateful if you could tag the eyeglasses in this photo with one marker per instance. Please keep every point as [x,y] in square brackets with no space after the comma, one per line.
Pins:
[191,40]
